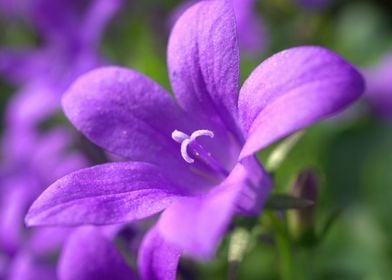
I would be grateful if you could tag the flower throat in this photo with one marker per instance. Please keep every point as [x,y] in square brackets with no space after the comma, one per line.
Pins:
[191,150]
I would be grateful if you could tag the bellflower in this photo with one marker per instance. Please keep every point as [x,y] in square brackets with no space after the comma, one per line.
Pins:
[191,157]
[70,34]
[252,34]
[379,90]
[63,21]
[31,162]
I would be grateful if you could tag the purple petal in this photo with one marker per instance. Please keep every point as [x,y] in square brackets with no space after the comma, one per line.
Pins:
[17,144]
[52,158]
[25,266]
[157,259]
[96,19]
[197,224]
[31,105]
[56,21]
[292,90]
[123,111]
[7,8]
[89,255]
[13,202]
[256,190]
[250,28]
[129,115]
[103,194]
[176,13]
[47,240]
[203,59]
[21,65]
[379,86]
[4,260]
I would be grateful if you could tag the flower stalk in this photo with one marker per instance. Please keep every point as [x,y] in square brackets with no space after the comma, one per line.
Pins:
[283,245]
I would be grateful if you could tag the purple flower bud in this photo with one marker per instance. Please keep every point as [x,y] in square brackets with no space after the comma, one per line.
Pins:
[306,186]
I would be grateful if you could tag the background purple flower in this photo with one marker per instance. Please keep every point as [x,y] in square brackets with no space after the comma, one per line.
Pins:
[27,266]
[73,23]
[197,157]
[252,32]
[71,33]
[26,171]
[379,87]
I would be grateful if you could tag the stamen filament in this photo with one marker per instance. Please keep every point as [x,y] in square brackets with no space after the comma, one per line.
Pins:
[207,159]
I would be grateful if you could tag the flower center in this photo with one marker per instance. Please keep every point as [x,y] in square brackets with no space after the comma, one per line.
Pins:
[191,150]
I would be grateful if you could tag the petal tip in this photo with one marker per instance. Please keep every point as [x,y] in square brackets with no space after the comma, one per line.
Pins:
[30,220]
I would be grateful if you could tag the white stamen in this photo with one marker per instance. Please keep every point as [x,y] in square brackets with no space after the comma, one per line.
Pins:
[184,151]
[179,136]
[202,132]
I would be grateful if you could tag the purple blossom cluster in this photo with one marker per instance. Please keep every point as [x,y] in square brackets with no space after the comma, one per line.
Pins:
[32,159]
[187,159]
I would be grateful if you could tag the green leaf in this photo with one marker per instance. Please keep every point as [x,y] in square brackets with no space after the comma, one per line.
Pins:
[285,202]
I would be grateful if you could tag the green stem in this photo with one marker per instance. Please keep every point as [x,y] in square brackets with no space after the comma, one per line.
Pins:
[284,248]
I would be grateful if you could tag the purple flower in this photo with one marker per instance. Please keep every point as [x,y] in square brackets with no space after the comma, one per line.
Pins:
[31,160]
[88,254]
[30,163]
[192,157]
[63,21]
[252,35]
[71,36]
[379,87]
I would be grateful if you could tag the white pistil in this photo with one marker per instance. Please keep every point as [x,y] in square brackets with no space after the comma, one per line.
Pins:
[179,136]
[184,139]
[184,151]
[202,132]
